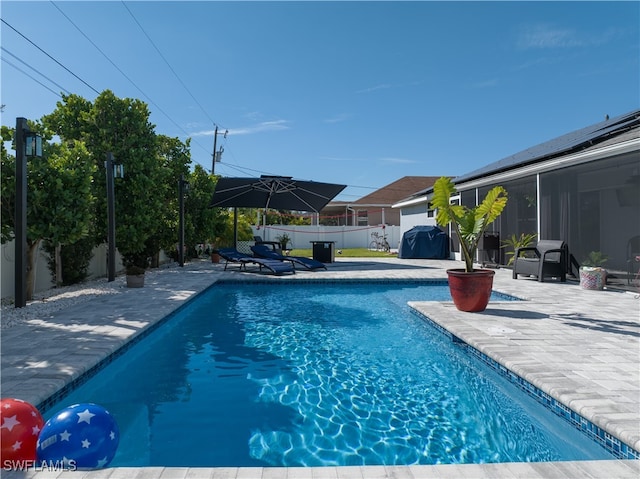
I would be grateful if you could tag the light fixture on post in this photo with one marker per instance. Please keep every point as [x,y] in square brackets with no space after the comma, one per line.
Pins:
[183,188]
[217,155]
[112,171]
[28,144]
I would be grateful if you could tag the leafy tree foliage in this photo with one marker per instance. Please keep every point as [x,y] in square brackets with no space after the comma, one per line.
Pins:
[202,223]
[59,198]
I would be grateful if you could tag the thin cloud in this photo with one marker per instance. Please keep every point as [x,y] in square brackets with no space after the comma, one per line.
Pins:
[397,160]
[275,125]
[343,159]
[547,36]
[382,86]
[337,119]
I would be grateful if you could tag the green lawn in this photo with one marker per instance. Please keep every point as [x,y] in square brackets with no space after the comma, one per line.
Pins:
[346,253]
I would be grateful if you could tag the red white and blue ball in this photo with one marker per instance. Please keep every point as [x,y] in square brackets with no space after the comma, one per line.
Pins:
[83,436]
[20,426]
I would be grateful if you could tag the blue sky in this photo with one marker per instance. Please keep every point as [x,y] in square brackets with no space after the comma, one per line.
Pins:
[358,93]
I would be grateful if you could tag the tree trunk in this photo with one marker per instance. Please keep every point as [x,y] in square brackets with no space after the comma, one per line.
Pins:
[32,256]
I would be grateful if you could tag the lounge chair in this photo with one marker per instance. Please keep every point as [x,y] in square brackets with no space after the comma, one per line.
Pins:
[547,258]
[231,255]
[263,251]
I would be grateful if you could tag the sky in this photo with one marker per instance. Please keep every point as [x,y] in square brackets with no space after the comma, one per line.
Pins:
[356,93]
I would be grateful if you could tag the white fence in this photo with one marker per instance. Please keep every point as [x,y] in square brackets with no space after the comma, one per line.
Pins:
[343,236]
[97,268]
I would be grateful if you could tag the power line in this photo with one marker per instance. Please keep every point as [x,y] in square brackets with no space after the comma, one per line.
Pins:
[37,71]
[32,43]
[126,76]
[34,79]
[168,64]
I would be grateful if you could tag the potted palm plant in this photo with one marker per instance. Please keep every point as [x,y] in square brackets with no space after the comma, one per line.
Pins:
[592,274]
[470,288]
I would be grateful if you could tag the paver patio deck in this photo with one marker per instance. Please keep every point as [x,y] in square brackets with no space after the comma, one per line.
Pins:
[580,347]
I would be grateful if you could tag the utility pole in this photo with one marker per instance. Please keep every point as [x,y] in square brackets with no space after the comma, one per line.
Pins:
[217,155]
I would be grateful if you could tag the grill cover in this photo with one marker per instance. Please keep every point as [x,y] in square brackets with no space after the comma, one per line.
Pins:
[427,242]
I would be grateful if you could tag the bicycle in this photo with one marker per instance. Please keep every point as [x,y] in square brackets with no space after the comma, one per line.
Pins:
[379,243]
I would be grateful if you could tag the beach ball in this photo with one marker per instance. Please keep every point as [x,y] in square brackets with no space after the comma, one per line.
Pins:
[83,436]
[20,425]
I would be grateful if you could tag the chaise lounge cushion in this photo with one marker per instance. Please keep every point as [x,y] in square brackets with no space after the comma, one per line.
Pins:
[263,251]
[231,255]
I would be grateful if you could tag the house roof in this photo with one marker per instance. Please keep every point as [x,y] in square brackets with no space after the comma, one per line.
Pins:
[609,131]
[389,194]
[393,192]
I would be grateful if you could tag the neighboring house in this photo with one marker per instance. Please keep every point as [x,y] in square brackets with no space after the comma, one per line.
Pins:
[582,187]
[375,208]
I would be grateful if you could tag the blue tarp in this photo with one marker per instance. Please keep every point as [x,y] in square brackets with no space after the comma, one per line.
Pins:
[427,242]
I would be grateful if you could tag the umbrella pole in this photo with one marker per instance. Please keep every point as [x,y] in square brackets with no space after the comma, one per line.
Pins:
[235,228]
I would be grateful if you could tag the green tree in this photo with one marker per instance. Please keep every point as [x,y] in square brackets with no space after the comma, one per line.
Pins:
[122,127]
[202,223]
[174,160]
[59,198]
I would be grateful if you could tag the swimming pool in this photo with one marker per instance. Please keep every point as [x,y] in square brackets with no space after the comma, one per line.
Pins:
[317,374]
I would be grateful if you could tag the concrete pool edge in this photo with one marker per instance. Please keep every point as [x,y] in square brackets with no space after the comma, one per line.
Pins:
[514,470]
[589,424]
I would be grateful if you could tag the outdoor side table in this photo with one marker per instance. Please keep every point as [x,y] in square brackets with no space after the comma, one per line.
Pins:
[324,251]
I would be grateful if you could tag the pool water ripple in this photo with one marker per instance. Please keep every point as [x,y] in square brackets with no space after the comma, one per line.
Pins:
[316,376]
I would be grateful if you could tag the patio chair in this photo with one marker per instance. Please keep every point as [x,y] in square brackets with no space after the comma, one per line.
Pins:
[549,258]
[275,245]
[231,255]
[633,258]
[263,251]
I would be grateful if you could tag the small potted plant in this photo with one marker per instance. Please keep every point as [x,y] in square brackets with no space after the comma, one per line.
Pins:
[515,242]
[284,240]
[470,288]
[135,276]
[592,274]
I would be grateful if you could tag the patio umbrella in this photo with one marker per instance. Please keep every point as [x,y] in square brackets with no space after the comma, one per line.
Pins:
[277,192]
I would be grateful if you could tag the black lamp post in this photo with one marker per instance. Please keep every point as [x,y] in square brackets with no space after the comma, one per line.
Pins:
[112,171]
[183,187]
[28,144]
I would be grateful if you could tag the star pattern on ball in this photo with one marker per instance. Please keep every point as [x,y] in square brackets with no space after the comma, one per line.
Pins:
[85,416]
[10,422]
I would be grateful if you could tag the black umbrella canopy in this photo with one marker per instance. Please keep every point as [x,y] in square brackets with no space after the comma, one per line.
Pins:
[277,192]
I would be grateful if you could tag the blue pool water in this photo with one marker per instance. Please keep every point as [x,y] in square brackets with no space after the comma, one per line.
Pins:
[317,374]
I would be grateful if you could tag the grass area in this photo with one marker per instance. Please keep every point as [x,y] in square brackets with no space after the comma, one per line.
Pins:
[346,253]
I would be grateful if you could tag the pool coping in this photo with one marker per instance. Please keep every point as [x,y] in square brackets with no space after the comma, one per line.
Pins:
[595,468]
[610,443]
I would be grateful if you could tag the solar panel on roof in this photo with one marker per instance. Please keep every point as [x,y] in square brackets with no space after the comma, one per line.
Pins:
[574,141]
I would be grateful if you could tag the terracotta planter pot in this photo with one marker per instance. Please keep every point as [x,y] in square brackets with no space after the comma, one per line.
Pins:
[470,291]
[215,258]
